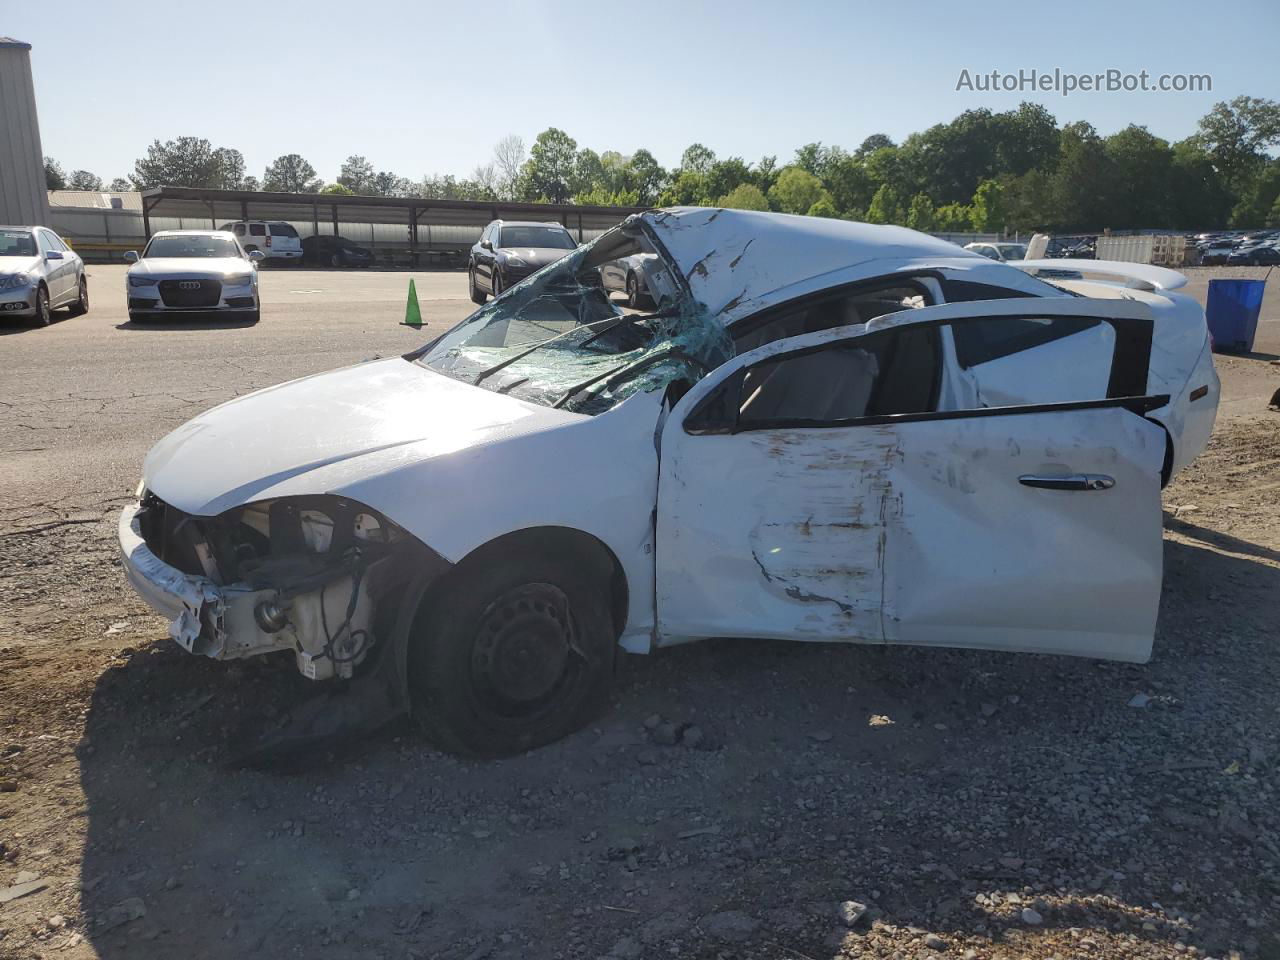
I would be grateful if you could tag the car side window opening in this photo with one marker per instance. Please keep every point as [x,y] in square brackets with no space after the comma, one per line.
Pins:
[239,229]
[42,239]
[811,315]
[283,230]
[891,372]
[901,370]
[257,229]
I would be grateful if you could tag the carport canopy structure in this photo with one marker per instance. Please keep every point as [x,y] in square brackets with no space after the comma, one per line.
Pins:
[222,206]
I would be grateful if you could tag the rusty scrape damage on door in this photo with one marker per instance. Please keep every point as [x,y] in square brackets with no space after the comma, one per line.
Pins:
[826,548]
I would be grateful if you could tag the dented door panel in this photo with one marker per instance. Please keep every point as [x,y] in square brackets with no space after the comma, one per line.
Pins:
[774,534]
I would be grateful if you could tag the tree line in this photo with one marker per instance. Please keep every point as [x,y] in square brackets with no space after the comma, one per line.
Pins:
[1015,170]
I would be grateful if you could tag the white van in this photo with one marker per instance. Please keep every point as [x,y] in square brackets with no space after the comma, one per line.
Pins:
[275,238]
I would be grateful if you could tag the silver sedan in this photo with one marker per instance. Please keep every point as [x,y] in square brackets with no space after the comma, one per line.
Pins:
[38,274]
[193,271]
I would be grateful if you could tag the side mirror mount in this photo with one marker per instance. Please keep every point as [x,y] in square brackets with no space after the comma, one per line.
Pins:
[131,256]
[53,255]
[487,244]
[257,256]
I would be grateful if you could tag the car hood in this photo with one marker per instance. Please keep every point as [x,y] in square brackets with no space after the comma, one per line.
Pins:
[18,264]
[325,433]
[535,256]
[205,266]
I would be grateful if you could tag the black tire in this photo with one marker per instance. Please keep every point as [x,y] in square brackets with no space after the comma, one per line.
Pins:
[477,295]
[137,317]
[43,316]
[514,652]
[81,306]
[335,260]
[255,316]
[495,281]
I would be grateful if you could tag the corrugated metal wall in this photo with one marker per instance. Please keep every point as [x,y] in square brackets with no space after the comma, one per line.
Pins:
[23,197]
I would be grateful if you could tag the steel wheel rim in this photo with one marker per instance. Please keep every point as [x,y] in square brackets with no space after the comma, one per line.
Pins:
[523,659]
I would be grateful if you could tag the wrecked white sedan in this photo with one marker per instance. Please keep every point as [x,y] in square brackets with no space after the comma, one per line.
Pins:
[822,431]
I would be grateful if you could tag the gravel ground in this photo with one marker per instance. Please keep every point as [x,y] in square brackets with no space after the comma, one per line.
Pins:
[740,799]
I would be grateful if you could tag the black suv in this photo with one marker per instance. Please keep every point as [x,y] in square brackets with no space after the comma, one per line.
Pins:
[510,250]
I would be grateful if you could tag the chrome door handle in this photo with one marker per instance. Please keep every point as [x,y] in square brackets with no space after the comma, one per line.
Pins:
[1072,481]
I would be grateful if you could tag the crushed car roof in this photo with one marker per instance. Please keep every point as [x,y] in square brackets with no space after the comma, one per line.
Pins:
[731,257]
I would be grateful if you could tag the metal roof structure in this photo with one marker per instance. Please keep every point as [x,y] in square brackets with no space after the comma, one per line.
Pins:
[221,206]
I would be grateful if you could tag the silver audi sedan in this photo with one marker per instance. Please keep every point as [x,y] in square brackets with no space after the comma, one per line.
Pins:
[193,271]
[38,274]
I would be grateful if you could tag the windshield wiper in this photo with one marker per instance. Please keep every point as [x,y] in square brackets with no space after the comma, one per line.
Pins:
[620,373]
[616,321]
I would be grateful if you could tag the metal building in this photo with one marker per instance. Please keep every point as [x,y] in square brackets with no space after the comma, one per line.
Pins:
[23,197]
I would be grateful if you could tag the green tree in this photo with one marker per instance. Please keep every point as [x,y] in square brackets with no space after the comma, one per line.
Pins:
[1083,185]
[228,169]
[745,196]
[796,190]
[823,207]
[849,184]
[1027,138]
[357,175]
[290,173]
[120,185]
[987,210]
[1198,192]
[920,214]
[886,206]
[689,188]
[1143,171]
[725,175]
[1236,136]
[952,218]
[697,158]
[1258,202]
[337,190]
[877,141]
[588,172]
[54,177]
[188,162]
[645,176]
[765,173]
[84,180]
[548,173]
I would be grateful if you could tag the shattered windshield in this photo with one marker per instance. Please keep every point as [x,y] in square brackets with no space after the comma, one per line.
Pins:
[559,340]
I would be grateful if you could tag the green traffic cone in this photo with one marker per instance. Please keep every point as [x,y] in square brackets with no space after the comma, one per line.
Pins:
[412,312]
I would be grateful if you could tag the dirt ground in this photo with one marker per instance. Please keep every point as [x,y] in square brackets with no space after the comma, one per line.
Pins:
[966,804]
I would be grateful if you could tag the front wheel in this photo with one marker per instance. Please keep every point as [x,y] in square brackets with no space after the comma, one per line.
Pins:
[513,654]
[495,281]
[44,316]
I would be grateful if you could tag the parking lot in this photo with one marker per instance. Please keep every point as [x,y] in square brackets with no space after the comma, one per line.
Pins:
[976,804]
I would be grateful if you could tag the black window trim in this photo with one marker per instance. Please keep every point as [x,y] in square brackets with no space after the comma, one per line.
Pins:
[1140,405]
[1130,364]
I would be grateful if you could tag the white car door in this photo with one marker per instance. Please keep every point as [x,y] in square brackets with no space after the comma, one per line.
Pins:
[812,489]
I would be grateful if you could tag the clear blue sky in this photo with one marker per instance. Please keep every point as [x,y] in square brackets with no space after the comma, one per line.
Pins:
[429,87]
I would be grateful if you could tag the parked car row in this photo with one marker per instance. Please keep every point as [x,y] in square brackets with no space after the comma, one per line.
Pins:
[1248,248]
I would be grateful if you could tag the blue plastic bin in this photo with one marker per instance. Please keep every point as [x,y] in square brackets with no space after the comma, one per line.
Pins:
[1232,312]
